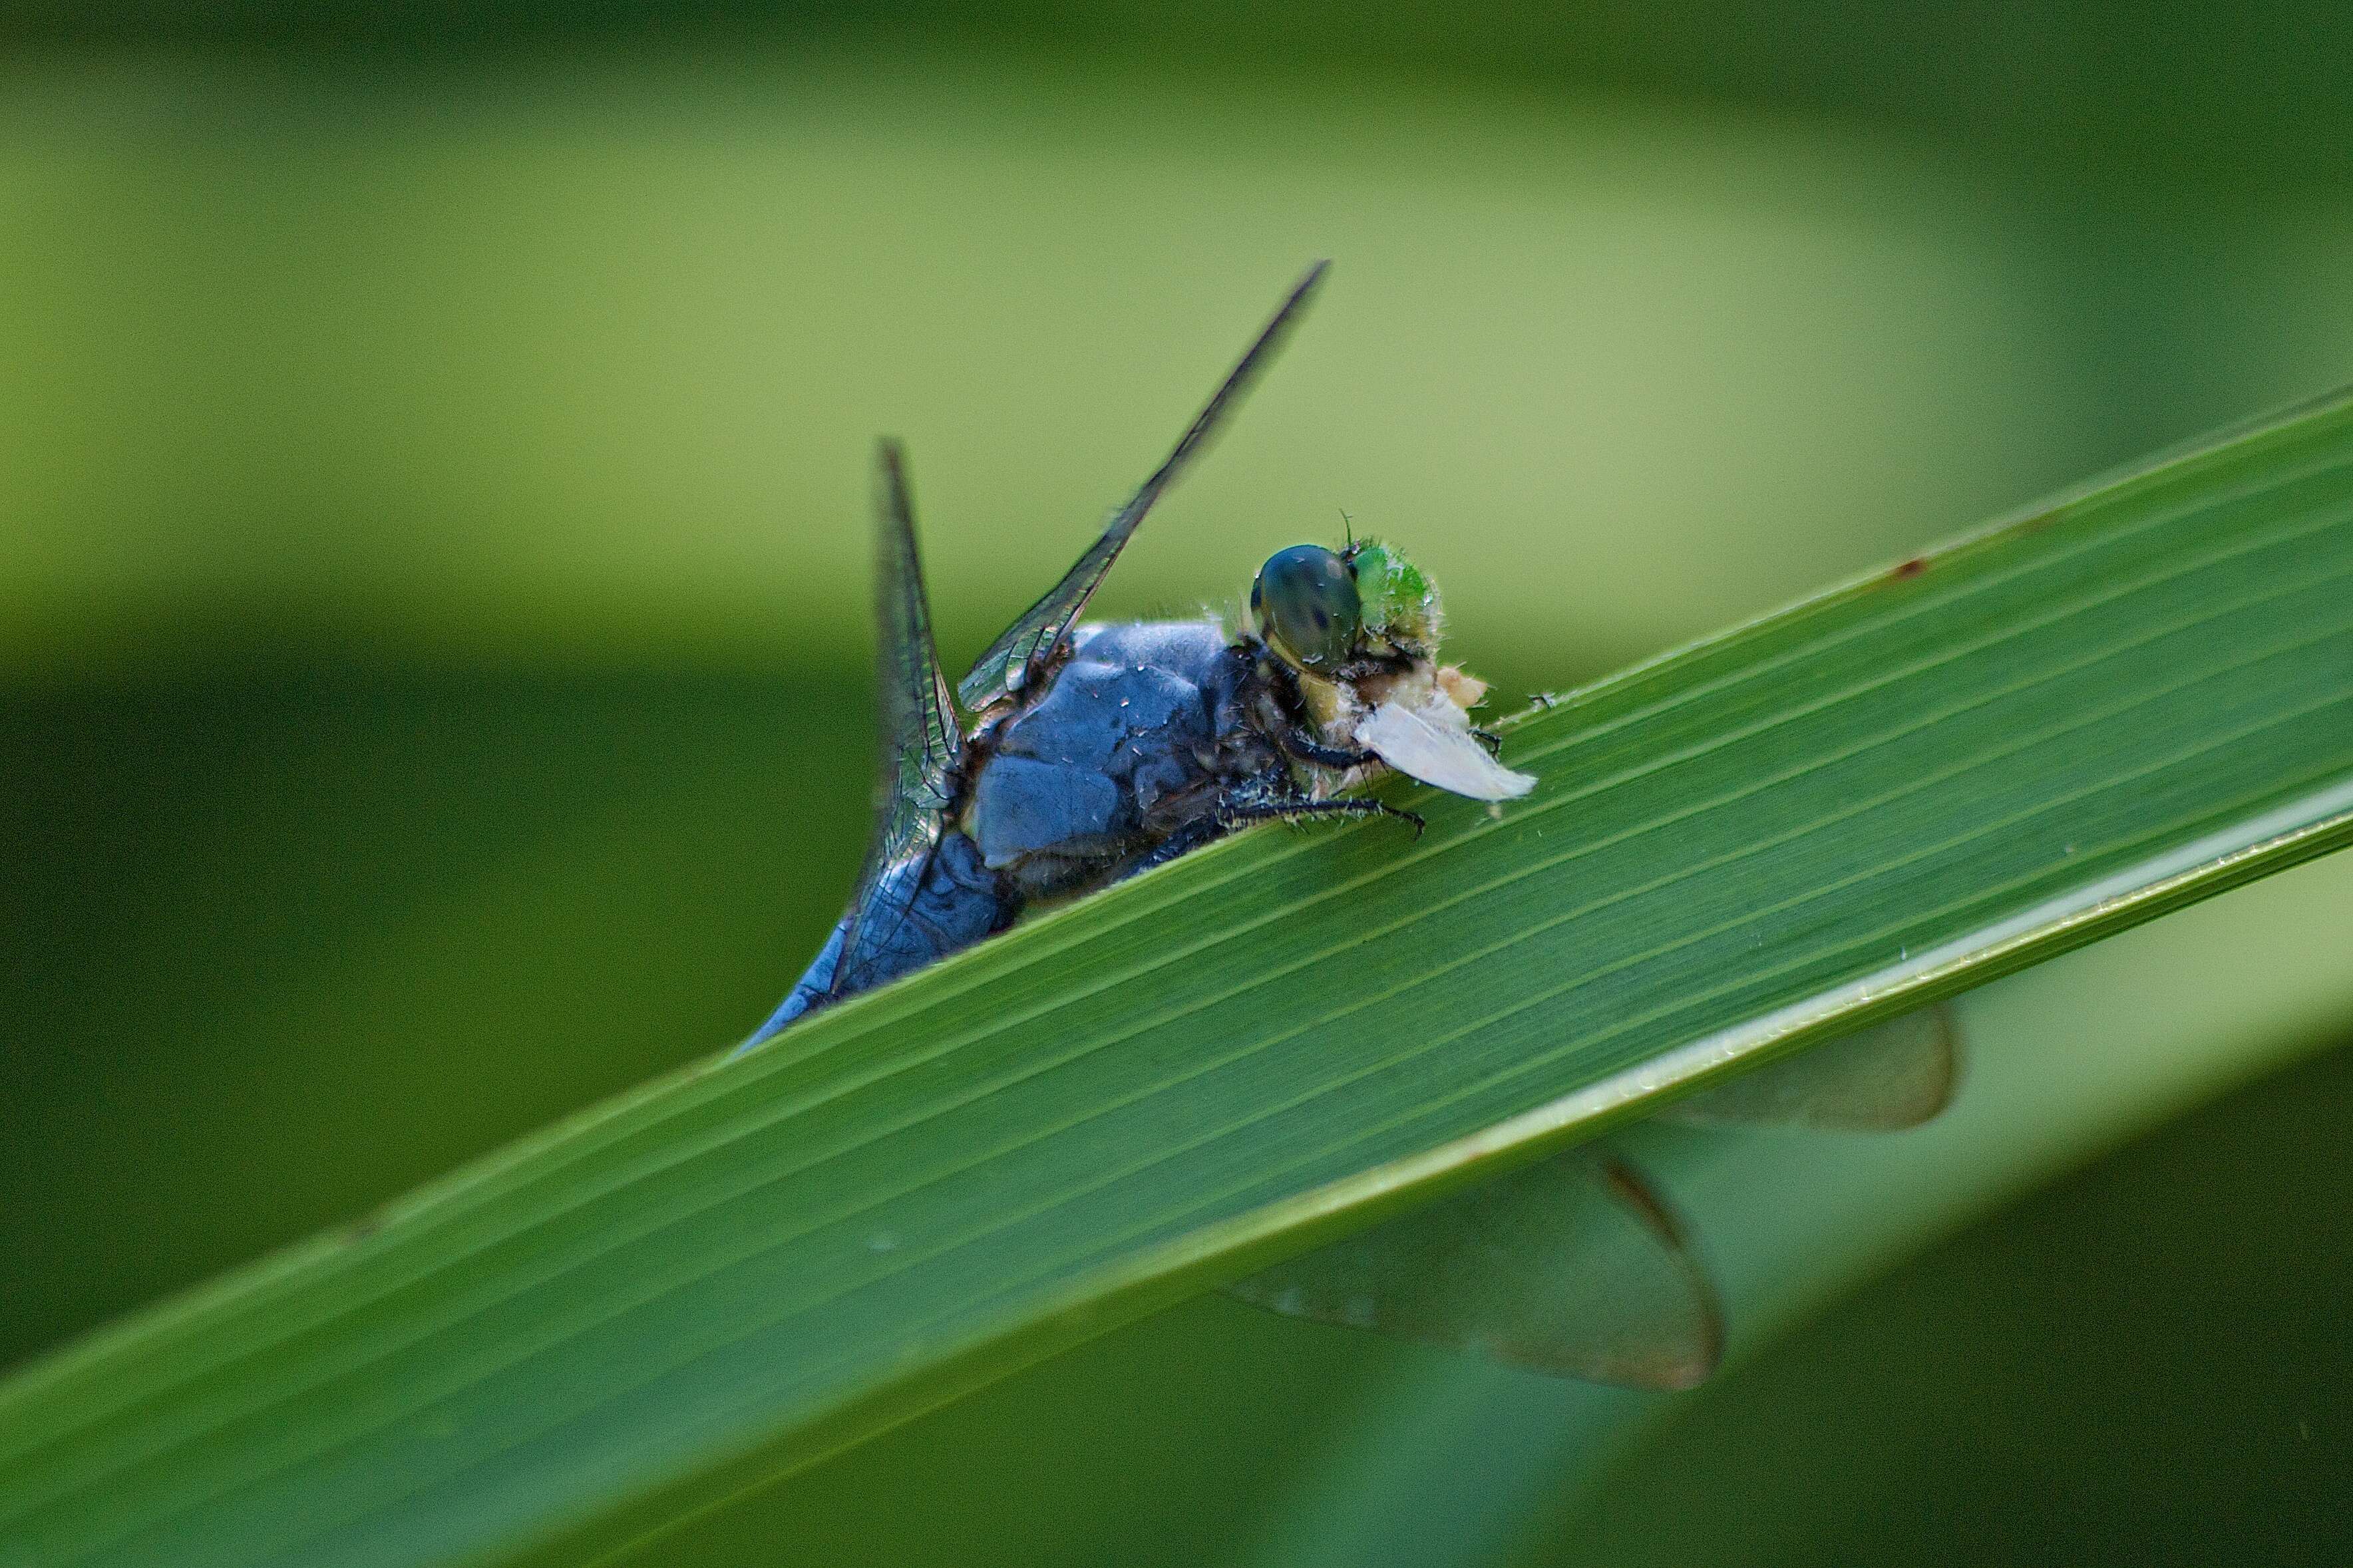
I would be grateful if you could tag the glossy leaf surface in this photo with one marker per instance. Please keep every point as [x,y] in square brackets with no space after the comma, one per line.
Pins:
[1953,769]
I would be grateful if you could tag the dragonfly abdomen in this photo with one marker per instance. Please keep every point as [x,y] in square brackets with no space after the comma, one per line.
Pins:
[956,900]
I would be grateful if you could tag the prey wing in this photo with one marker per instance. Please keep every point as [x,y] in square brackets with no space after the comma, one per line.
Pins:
[1029,642]
[915,779]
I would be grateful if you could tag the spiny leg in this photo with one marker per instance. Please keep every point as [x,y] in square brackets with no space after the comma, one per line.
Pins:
[1295,740]
[1209,829]
[1184,841]
[1238,812]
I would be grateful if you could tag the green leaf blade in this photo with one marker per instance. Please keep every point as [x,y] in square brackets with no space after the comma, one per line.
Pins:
[1958,767]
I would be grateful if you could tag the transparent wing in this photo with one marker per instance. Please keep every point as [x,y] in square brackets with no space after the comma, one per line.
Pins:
[1891,1075]
[1013,658]
[915,782]
[1572,1265]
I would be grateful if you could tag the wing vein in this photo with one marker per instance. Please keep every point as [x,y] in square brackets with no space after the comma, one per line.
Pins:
[921,745]
[1029,643]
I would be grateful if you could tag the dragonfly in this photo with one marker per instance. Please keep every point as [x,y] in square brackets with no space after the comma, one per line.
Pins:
[1074,755]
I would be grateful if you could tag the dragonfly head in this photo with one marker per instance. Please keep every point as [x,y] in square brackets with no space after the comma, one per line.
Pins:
[1360,625]
[1307,609]
[1321,610]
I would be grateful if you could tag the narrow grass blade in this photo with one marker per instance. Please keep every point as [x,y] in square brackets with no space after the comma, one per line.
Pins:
[1960,766]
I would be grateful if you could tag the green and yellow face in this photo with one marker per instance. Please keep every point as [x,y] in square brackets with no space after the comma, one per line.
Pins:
[1400,605]
[1360,628]
[1321,609]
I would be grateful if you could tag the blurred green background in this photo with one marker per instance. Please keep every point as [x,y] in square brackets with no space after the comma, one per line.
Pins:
[433,644]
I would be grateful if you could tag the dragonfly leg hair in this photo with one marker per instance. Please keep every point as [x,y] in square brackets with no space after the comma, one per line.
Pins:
[1238,813]
[1295,740]
[1184,841]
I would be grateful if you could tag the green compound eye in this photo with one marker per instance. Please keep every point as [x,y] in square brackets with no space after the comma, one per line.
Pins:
[1305,605]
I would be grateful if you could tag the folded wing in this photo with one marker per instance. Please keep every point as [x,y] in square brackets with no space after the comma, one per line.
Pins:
[1572,1265]
[1883,1079]
[1029,642]
[921,746]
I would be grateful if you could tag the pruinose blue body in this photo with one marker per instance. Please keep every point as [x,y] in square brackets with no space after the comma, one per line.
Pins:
[1139,749]
[1098,752]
